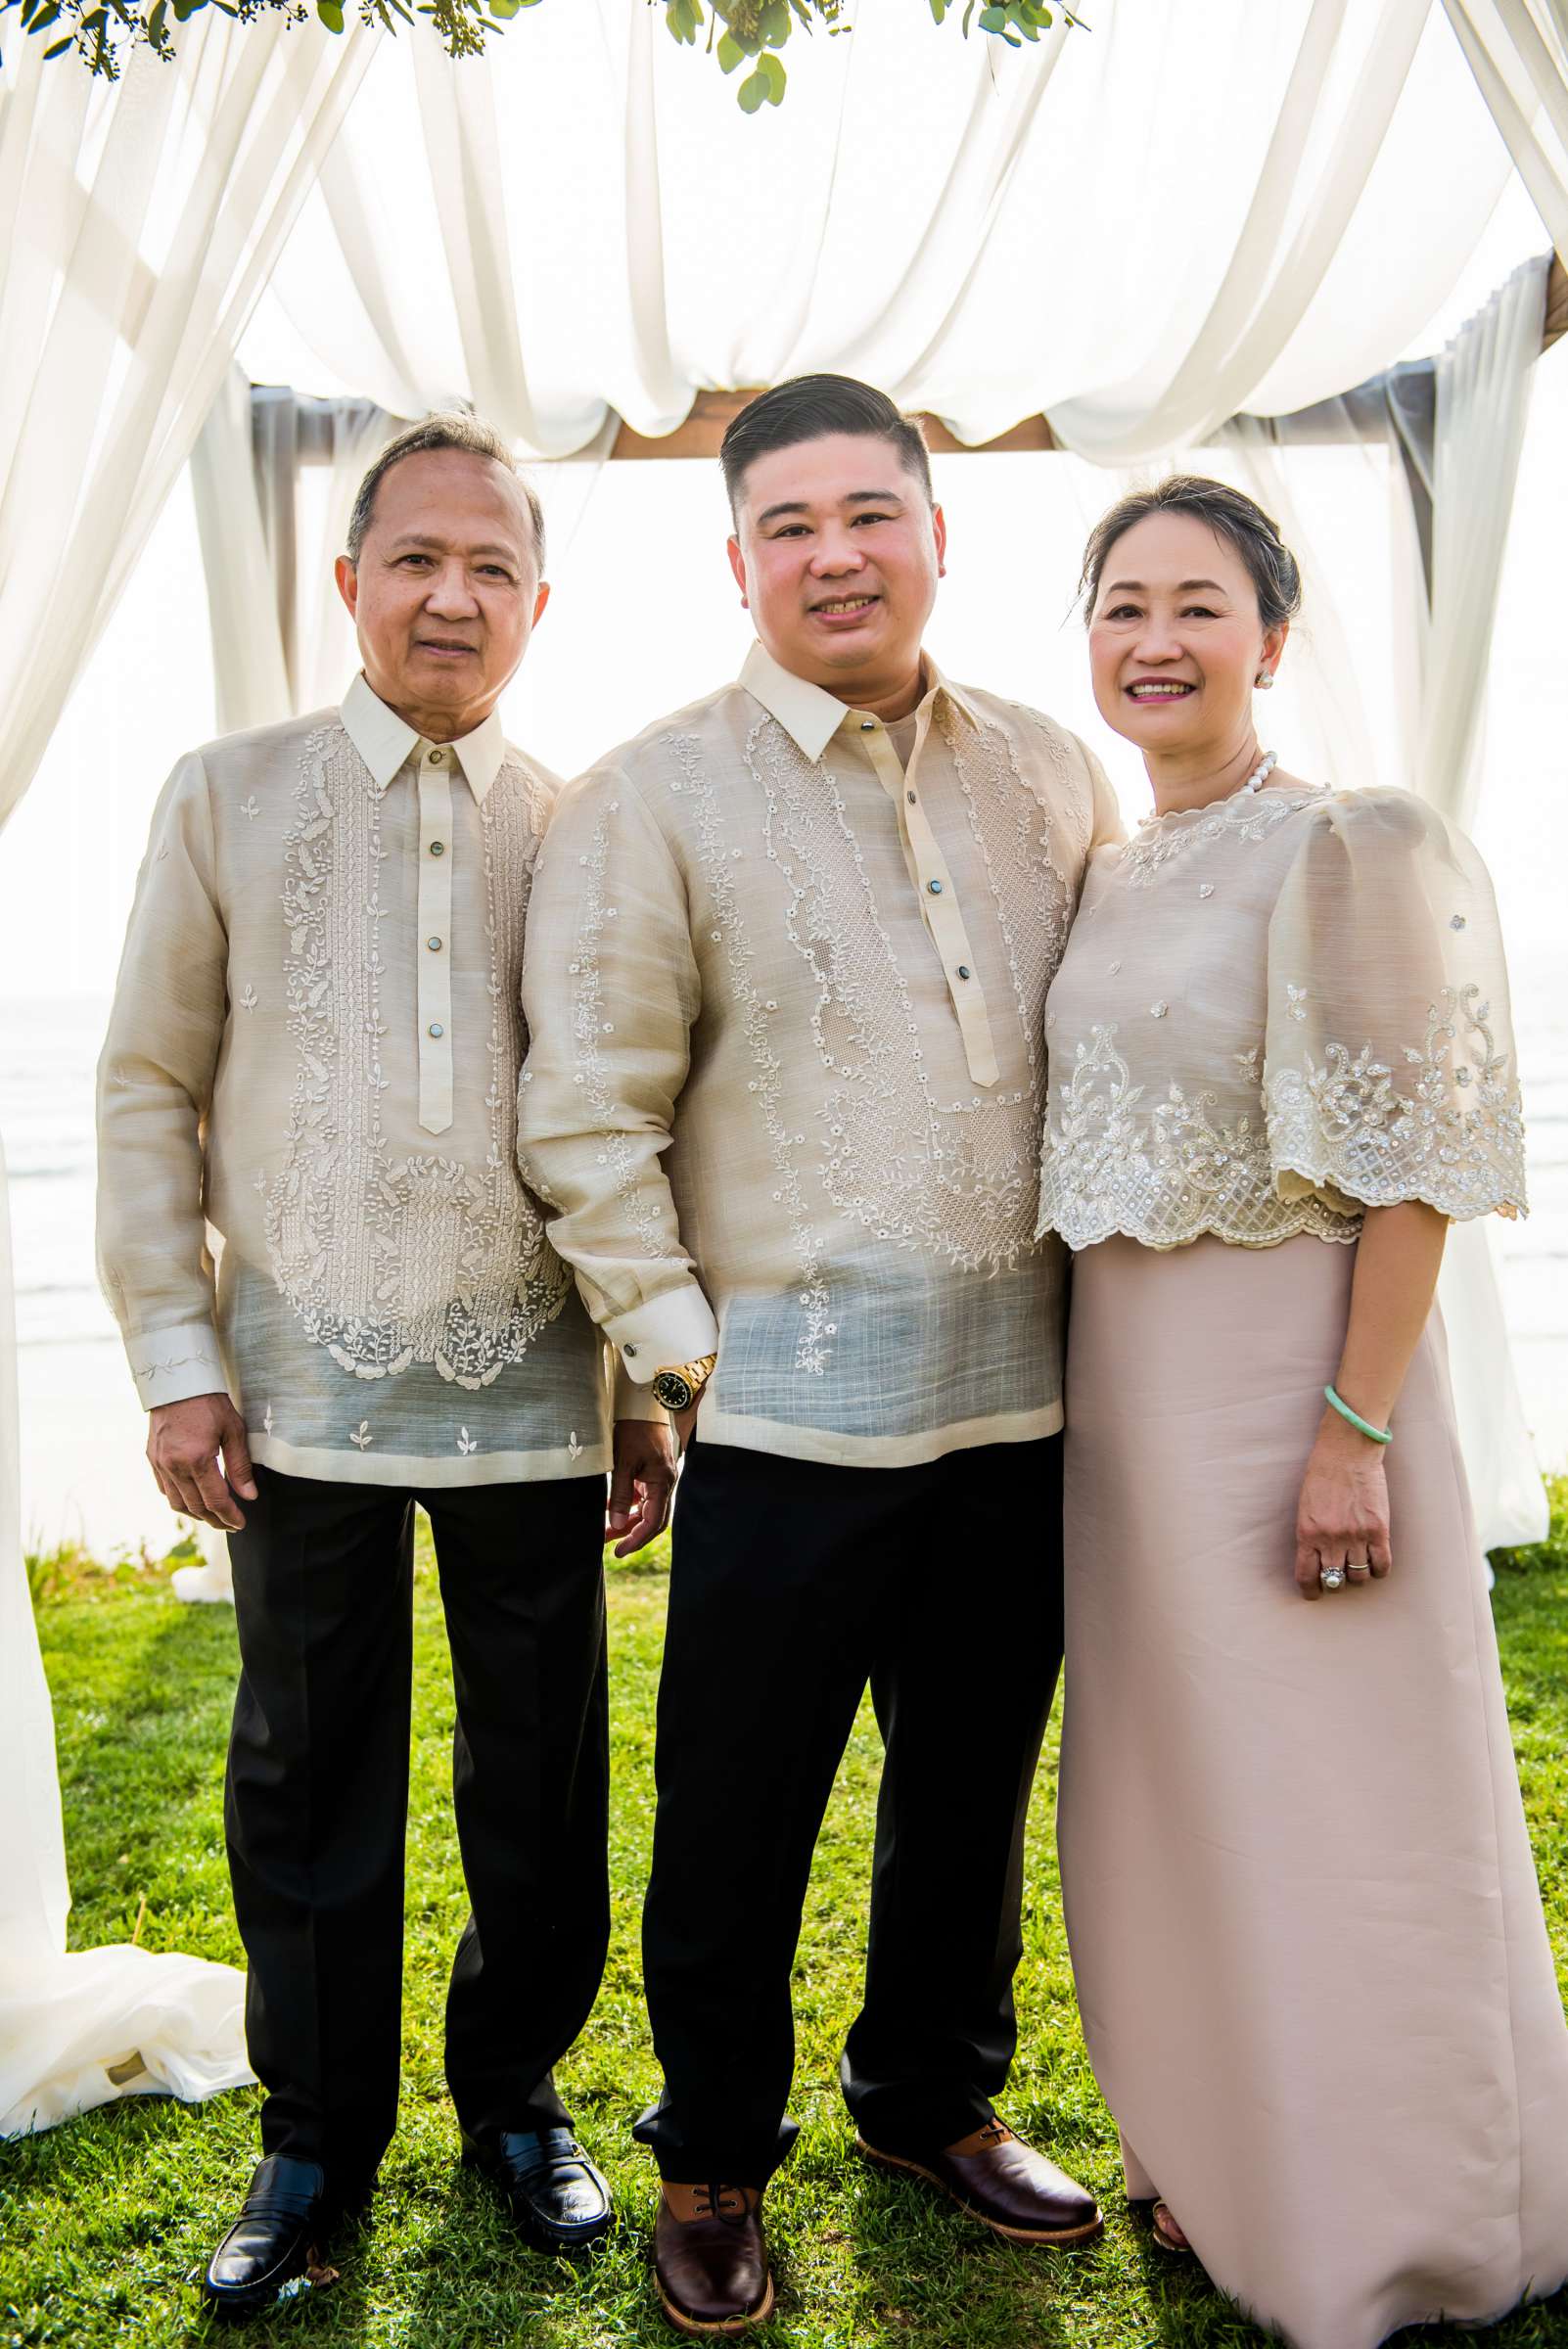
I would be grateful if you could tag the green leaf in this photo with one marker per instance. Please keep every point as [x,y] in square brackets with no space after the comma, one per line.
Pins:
[994,19]
[754,92]
[1016,16]
[774,23]
[59,48]
[938,9]
[773,67]
[158,23]
[504,10]
[27,7]
[331,14]
[731,53]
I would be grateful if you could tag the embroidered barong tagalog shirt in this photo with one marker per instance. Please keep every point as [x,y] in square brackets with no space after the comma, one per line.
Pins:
[1276,1012]
[314,1051]
[786,1000]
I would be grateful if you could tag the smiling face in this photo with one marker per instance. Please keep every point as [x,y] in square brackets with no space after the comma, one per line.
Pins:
[1176,642]
[446,589]
[838,552]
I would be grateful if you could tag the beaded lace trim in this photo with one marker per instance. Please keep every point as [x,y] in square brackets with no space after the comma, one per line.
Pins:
[390,1261]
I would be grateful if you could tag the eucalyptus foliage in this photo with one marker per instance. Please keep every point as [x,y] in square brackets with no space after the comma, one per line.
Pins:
[744,36]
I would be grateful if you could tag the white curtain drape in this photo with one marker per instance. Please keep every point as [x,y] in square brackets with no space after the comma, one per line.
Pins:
[1518,52]
[138,223]
[274,478]
[1457,460]
[989,235]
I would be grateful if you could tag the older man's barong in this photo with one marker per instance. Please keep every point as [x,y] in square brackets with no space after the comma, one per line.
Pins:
[837,969]
[326,968]
[313,1055]
[1315,1977]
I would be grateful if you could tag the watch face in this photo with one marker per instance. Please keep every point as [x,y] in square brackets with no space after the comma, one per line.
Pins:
[672,1391]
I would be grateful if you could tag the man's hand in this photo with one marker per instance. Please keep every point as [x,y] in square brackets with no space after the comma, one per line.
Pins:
[183,1443]
[642,1484]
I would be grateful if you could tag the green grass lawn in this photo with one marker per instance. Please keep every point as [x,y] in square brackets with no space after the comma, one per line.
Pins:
[104,2222]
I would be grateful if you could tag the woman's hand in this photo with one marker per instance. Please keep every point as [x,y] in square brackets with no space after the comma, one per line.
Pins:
[1342,1517]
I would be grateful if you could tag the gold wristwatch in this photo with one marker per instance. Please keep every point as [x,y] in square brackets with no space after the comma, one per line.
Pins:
[678,1386]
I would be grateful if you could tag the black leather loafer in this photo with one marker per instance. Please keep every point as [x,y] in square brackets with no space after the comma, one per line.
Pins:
[559,2199]
[276,2237]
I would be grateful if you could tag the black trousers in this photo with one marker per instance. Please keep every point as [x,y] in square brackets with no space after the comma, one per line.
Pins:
[793,1584]
[317,1797]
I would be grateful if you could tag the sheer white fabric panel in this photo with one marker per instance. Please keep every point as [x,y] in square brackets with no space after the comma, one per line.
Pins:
[79,2030]
[986,235]
[1518,51]
[273,492]
[1483,397]
[138,222]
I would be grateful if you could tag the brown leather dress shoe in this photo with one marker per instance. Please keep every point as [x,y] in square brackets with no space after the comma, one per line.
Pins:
[1012,2189]
[713,2267]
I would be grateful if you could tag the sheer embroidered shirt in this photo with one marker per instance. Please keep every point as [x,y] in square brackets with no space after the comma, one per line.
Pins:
[786,1000]
[308,1184]
[1275,1013]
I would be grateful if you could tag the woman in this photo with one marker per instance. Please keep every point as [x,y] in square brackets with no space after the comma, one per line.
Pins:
[1311,1957]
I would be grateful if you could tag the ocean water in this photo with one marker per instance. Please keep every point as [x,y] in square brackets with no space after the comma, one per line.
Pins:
[82,1429]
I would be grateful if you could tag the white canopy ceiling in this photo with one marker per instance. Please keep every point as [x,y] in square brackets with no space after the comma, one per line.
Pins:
[1139,228]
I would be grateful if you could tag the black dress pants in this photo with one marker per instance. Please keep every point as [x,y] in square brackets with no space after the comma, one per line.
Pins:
[794,1583]
[317,1797]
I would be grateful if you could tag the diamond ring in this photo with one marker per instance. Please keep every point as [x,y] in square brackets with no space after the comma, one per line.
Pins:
[1331,1577]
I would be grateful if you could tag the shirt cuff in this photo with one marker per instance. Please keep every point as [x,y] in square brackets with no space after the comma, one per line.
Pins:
[169,1365]
[629,1401]
[677,1327]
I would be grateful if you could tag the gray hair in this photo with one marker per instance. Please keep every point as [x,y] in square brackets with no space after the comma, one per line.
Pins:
[451,430]
[1231,513]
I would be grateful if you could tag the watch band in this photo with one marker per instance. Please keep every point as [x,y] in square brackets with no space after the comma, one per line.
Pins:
[678,1385]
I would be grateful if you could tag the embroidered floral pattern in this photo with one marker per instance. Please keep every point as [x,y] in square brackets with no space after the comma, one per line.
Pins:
[1163,1174]
[955,1179]
[1345,1121]
[390,1261]
[812,1352]
[1253,817]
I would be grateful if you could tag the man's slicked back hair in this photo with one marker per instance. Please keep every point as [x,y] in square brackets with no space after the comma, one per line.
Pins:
[809,408]
[452,429]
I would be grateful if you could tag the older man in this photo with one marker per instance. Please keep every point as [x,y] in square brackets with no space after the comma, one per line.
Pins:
[314,1051]
[785,1109]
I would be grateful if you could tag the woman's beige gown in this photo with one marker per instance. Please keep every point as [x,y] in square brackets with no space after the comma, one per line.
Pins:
[1311,1957]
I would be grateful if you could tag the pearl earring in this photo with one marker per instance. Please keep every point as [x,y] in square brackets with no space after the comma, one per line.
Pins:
[1263,679]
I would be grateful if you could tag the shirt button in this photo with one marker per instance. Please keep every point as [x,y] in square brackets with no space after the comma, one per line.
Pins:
[438,847]
[437,757]
[935,888]
[963,970]
[436,1028]
[435,945]
[910,797]
[868,726]
[629,1351]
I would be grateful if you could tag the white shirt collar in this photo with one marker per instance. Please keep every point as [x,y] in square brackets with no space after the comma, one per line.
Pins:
[811,716]
[384,740]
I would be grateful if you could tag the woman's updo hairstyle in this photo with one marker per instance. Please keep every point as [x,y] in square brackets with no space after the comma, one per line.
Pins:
[1231,513]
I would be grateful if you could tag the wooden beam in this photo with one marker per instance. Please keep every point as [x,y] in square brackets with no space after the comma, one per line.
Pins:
[712,413]
[1556,304]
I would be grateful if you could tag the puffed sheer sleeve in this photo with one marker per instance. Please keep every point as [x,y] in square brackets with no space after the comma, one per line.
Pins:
[1390,1070]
